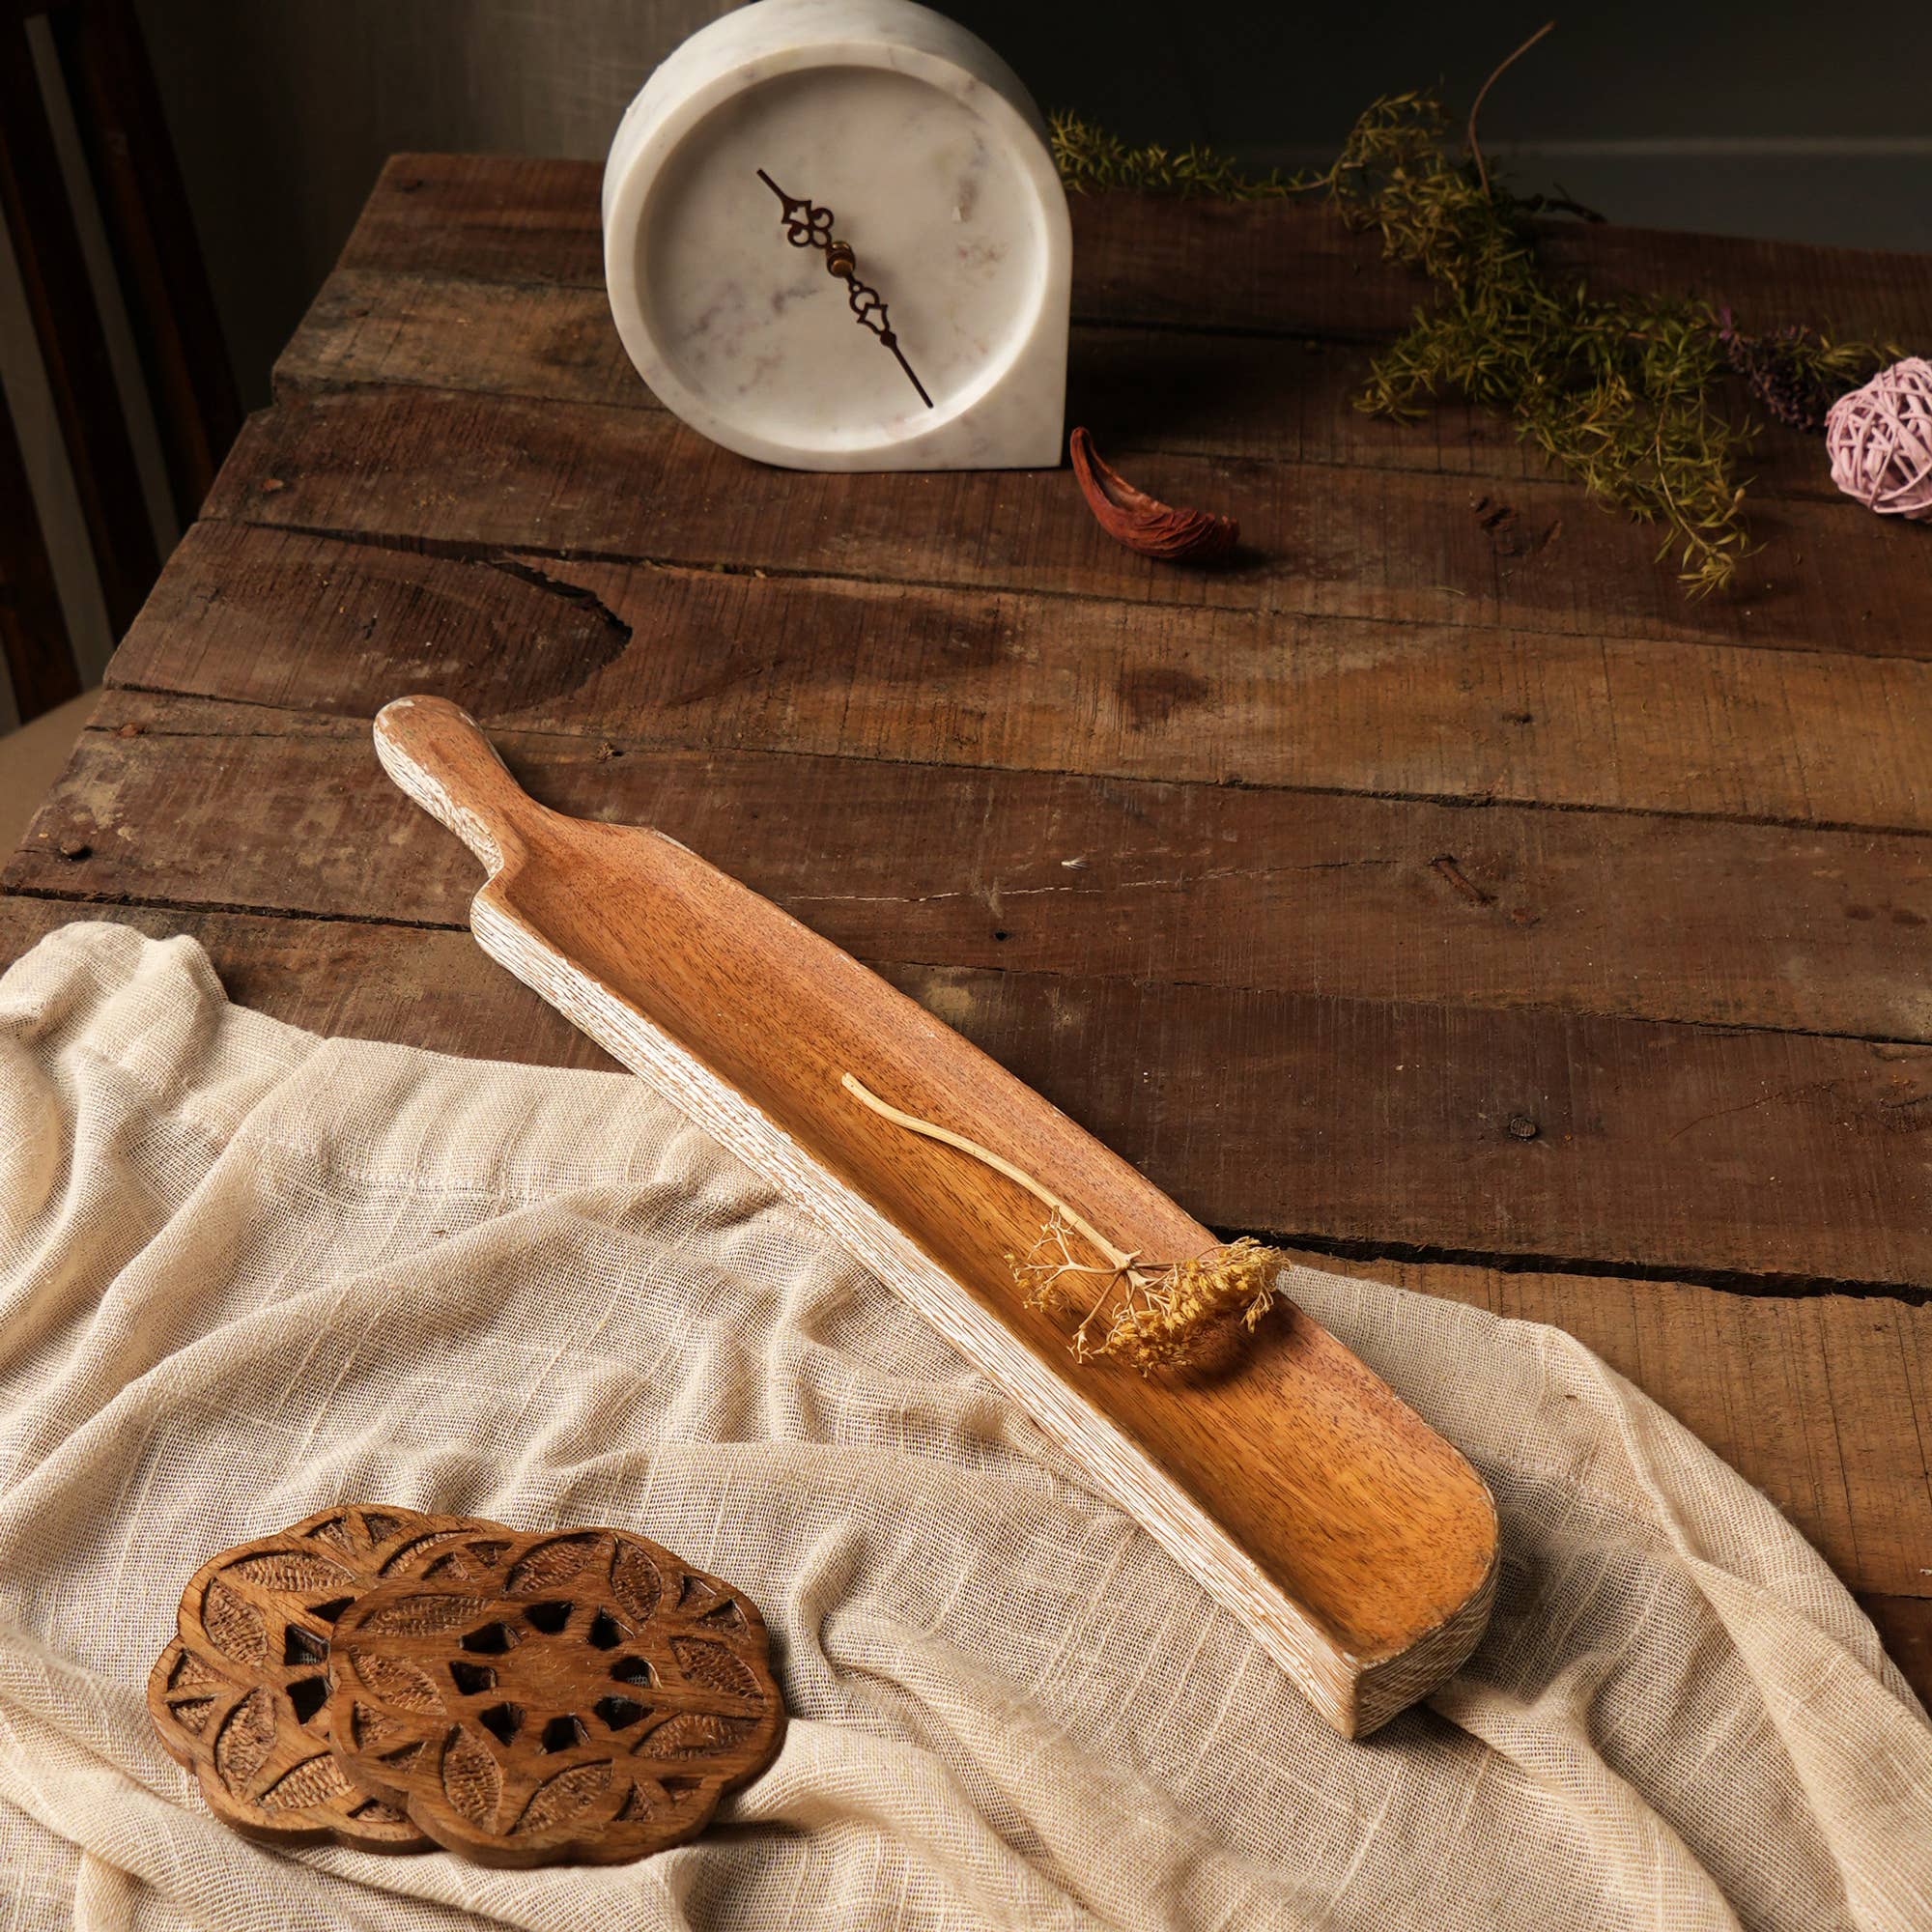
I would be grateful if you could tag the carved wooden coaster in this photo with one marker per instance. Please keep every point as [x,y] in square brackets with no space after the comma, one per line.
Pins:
[240,1695]
[584,1695]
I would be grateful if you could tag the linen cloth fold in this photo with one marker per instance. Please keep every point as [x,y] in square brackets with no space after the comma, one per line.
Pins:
[247,1272]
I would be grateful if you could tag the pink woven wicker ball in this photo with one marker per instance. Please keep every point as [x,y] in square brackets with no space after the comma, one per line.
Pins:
[1879,438]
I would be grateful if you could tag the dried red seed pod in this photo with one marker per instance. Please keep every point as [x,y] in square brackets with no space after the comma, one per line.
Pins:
[1142,523]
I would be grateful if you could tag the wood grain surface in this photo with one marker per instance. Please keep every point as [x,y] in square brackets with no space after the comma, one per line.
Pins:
[1584,925]
[1356,1544]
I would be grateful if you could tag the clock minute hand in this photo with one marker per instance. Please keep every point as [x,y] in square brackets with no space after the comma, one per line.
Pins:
[807,225]
[867,304]
[892,342]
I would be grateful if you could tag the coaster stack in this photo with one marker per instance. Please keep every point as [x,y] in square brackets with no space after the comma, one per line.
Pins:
[400,1682]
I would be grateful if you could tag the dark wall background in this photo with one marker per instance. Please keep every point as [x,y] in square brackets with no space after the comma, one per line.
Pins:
[1780,119]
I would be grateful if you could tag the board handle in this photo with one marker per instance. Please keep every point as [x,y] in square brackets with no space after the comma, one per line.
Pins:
[438,754]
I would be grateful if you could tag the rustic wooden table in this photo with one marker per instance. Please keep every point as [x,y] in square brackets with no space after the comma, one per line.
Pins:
[1437,891]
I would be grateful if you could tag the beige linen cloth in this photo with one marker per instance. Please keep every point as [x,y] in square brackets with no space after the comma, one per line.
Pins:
[246,1273]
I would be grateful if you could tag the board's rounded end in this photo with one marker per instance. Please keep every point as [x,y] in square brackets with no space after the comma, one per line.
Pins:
[437,752]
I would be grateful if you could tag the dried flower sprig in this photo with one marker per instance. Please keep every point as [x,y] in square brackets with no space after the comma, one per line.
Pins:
[1153,1314]
[1796,373]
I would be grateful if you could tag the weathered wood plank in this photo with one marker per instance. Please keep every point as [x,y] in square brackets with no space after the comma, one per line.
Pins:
[1499,1133]
[692,658]
[400,327]
[1905,1629]
[1139,389]
[1824,1402]
[434,990]
[1618,915]
[1297,270]
[1529,1135]
[489,216]
[1402,547]
[1291,268]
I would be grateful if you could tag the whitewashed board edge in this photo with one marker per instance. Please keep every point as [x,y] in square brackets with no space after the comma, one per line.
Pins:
[1327,1675]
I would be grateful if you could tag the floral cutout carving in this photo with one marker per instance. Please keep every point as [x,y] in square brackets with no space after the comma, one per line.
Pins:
[240,1695]
[580,1694]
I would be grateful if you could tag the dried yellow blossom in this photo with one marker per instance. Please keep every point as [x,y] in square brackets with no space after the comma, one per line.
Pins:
[1152,1315]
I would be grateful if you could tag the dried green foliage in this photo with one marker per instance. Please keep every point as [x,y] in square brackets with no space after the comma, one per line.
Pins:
[1618,391]
[1092,162]
[1625,392]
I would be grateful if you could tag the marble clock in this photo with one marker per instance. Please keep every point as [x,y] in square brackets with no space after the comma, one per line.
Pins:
[835,239]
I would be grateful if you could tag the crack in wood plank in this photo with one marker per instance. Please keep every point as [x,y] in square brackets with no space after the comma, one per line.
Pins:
[1770,1284]
[1458,691]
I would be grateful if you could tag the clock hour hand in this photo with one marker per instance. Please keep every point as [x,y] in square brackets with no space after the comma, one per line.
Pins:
[807,225]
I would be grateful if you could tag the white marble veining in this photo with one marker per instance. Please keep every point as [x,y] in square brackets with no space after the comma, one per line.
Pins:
[933,161]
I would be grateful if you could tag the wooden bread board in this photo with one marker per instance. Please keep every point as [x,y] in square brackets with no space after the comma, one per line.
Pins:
[1355,1544]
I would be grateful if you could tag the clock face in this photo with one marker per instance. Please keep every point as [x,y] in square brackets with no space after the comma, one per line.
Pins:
[939,222]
